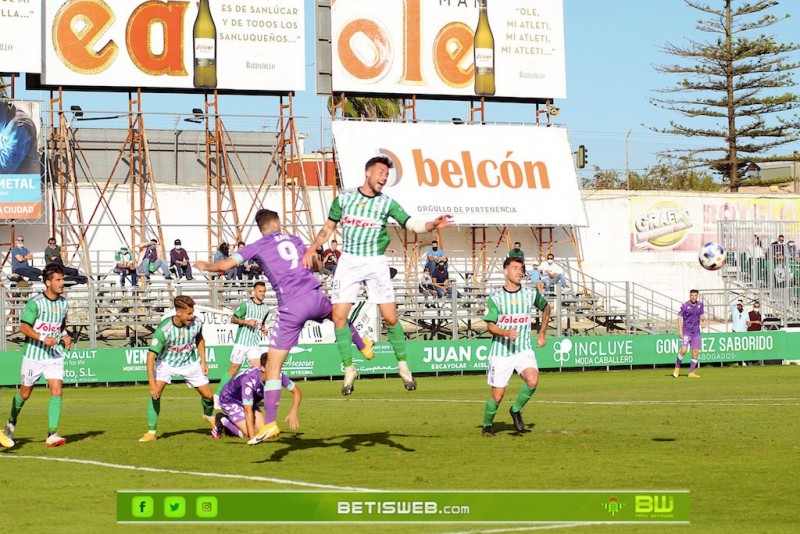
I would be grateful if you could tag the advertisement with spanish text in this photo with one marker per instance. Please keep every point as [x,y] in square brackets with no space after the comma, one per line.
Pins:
[251,45]
[481,48]
[20,36]
[20,165]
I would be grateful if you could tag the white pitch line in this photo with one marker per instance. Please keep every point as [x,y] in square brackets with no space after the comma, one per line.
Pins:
[791,401]
[189,473]
[525,529]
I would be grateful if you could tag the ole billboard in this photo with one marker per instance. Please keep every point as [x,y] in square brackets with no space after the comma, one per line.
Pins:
[249,45]
[433,47]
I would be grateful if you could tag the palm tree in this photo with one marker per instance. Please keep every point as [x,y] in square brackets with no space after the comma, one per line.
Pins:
[369,108]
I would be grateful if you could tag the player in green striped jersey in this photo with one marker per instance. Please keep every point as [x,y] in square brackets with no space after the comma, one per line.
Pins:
[250,316]
[44,325]
[508,319]
[363,214]
[177,349]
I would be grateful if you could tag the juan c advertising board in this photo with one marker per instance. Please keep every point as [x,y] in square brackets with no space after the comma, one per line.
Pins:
[254,45]
[480,174]
[426,47]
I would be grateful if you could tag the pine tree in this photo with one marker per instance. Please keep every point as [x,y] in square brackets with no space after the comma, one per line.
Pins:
[731,85]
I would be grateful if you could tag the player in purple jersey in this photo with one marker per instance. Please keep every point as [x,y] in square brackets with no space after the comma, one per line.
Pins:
[691,319]
[300,299]
[239,401]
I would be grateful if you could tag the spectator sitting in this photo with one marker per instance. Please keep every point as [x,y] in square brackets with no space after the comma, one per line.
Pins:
[125,266]
[535,274]
[224,252]
[551,273]
[54,254]
[179,258]
[150,260]
[247,269]
[441,280]
[330,258]
[426,285]
[433,256]
[20,256]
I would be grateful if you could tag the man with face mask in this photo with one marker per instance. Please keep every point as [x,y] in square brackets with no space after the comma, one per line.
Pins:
[739,317]
[179,259]
[434,256]
[552,274]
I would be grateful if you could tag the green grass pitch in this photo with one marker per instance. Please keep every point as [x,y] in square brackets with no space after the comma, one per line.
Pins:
[732,438]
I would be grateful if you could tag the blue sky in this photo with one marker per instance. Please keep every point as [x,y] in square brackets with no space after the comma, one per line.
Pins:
[611,47]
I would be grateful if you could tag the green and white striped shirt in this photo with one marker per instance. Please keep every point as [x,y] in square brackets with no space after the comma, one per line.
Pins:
[250,336]
[48,318]
[513,310]
[176,345]
[363,221]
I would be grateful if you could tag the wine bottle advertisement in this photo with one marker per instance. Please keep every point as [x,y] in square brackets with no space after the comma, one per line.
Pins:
[20,36]
[460,48]
[256,45]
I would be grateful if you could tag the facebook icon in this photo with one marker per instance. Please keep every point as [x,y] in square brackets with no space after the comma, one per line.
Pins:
[142,507]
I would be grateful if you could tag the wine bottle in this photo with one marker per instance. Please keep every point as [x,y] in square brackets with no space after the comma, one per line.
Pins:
[205,48]
[484,54]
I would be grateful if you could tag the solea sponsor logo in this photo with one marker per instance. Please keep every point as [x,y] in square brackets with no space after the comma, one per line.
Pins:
[663,224]
[464,171]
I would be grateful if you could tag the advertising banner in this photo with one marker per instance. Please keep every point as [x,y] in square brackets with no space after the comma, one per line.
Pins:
[662,223]
[20,167]
[231,44]
[481,174]
[21,36]
[85,366]
[431,48]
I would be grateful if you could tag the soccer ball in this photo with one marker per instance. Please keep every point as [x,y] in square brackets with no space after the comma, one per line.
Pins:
[712,256]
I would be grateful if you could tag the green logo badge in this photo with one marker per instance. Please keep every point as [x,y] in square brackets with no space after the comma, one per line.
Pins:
[142,507]
[207,507]
[613,506]
[174,507]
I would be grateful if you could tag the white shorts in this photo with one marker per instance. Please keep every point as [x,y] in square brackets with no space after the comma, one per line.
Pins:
[51,368]
[501,368]
[372,270]
[192,374]
[240,353]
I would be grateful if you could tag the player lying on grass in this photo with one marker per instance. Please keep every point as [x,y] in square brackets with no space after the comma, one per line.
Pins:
[300,299]
[239,401]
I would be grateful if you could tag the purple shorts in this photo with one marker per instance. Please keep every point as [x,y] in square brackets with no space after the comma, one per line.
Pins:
[234,411]
[311,306]
[692,341]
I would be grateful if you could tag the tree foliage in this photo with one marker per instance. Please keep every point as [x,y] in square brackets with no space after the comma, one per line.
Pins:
[668,174]
[369,108]
[730,85]
[3,93]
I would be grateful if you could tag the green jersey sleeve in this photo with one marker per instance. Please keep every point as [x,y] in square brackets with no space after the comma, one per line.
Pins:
[30,313]
[157,343]
[335,213]
[539,301]
[397,213]
[241,311]
[492,312]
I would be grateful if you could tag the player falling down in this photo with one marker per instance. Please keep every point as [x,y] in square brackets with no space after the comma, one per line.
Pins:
[239,401]
[300,299]
[363,214]
[177,349]
[508,319]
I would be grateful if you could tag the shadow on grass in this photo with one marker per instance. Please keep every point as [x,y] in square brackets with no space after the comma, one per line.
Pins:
[508,427]
[348,442]
[71,438]
[201,431]
[664,439]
